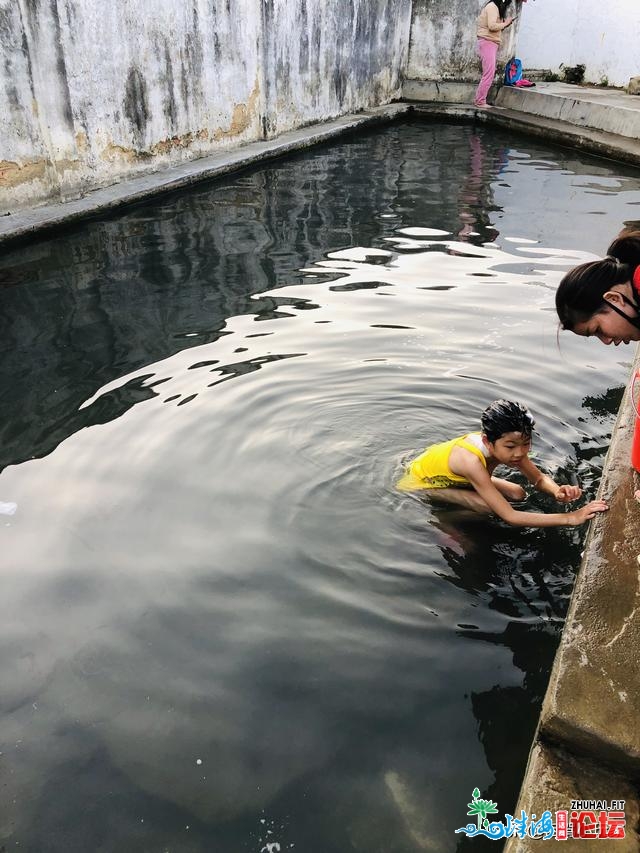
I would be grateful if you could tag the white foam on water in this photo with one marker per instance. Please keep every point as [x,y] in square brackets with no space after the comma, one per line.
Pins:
[415,231]
[359,253]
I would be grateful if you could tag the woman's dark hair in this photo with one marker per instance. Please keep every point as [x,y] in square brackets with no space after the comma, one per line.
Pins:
[581,292]
[503,416]
[502,6]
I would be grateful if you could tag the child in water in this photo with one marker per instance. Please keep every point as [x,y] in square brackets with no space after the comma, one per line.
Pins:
[461,470]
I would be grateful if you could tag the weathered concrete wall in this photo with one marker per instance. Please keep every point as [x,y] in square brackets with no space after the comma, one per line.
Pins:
[324,59]
[443,40]
[605,37]
[96,92]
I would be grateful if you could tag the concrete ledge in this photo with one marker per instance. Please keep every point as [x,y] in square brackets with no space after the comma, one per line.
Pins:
[26,223]
[592,703]
[442,91]
[602,144]
[554,778]
[588,740]
[605,110]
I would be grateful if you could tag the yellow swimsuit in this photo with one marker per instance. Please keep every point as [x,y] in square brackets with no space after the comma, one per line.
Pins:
[431,469]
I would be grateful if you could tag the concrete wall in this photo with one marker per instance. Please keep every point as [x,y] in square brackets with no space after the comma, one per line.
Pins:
[97,92]
[324,59]
[603,36]
[443,40]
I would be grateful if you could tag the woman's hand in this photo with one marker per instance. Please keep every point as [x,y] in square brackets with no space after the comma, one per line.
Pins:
[579,516]
[508,21]
[566,494]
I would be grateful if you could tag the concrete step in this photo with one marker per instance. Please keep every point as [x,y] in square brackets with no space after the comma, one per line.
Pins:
[599,142]
[608,110]
[538,75]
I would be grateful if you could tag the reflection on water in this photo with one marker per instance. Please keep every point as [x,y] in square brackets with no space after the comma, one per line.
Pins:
[222,628]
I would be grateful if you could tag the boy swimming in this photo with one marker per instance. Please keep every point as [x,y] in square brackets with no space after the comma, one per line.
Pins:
[460,471]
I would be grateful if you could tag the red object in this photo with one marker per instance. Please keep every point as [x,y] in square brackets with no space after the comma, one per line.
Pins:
[561,826]
[584,825]
[612,825]
[635,447]
[636,280]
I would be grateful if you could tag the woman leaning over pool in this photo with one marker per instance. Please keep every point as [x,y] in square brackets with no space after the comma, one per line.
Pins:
[602,298]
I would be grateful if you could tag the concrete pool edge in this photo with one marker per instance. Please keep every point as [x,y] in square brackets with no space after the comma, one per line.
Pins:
[588,140]
[587,745]
[37,221]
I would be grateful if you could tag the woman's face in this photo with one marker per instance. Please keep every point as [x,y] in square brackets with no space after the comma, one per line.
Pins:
[607,325]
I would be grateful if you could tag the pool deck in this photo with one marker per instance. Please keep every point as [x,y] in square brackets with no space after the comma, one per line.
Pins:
[608,110]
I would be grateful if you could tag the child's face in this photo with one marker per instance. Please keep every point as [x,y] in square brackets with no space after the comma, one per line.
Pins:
[510,449]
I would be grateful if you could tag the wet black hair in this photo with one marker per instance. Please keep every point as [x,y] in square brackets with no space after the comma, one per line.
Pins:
[502,6]
[503,416]
[581,292]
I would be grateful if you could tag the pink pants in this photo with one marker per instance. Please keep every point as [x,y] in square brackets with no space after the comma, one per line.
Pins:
[488,52]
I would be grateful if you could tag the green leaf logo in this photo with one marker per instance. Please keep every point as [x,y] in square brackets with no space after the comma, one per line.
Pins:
[481,808]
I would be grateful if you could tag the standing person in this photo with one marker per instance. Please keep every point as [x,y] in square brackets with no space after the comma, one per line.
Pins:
[602,298]
[491,23]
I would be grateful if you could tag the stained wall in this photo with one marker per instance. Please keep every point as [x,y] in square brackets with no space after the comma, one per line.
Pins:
[98,92]
[443,40]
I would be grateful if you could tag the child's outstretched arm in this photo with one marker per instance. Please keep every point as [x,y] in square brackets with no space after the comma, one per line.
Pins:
[544,483]
[481,482]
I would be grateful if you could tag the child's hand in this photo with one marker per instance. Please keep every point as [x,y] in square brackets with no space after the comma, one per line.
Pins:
[566,494]
[579,516]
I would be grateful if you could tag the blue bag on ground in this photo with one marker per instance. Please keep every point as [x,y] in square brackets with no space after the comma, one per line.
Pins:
[512,71]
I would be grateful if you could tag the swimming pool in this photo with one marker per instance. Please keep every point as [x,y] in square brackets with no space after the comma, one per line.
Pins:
[222,627]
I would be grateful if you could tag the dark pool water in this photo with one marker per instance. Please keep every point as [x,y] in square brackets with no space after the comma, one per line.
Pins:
[221,627]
